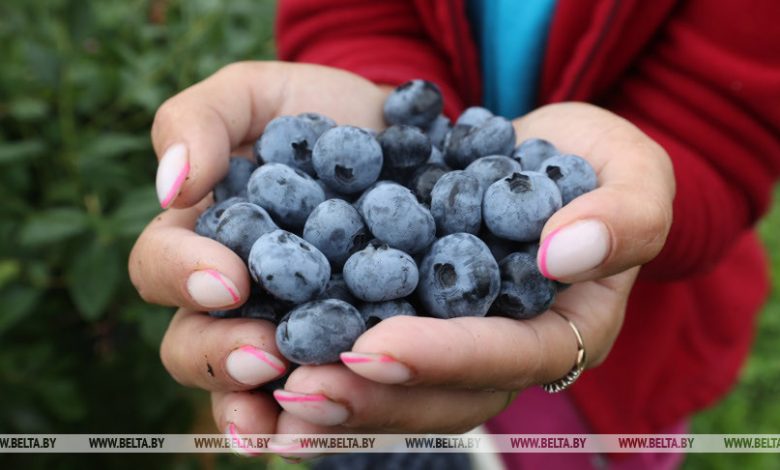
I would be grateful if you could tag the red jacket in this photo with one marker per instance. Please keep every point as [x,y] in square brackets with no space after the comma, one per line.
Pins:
[703,80]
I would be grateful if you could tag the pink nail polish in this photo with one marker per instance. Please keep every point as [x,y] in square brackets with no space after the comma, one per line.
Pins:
[172,170]
[574,249]
[236,442]
[314,408]
[212,289]
[377,367]
[253,366]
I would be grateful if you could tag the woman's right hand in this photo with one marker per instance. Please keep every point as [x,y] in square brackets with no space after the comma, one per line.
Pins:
[194,134]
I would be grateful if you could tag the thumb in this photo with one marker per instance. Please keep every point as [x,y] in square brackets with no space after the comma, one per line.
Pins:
[624,222]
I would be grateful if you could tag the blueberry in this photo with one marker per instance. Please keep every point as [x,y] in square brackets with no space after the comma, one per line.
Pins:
[458,277]
[337,230]
[525,293]
[436,156]
[234,183]
[573,175]
[532,152]
[456,203]
[492,168]
[288,140]
[318,331]
[501,248]
[438,130]
[474,116]
[422,181]
[415,103]
[318,122]
[378,273]
[374,312]
[348,159]
[288,267]
[289,195]
[518,206]
[206,226]
[358,204]
[394,216]
[404,148]
[241,225]
[329,193]
[261,306]
[495,136]
[233,313]
[337,289]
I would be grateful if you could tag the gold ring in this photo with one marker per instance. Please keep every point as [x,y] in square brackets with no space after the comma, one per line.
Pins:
[567,380]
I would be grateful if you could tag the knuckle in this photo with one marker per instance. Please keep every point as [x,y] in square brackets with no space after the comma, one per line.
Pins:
[169,358]
[658,222]
[234,69]
[165,116]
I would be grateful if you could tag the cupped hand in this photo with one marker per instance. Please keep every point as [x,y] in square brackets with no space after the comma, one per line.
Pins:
[419,374]
[194,134]
[409,374]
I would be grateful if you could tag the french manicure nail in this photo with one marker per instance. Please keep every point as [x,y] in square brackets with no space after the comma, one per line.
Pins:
[574,249]
[252,366]
[315,408]
[237,442]
[172,170]
[212,289]
[377,367]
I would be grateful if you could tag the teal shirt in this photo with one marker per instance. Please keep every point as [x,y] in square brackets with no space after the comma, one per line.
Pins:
[511,36]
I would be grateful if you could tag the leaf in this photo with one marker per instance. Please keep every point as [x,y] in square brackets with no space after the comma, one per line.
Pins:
[53,225]
[17,302]
[94,277]
[153,327]
[28,109]
[138,207]
[61,395]
[16,152]
[113,145]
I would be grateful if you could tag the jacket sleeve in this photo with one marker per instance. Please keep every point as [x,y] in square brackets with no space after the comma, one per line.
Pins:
[708,91]
[385,41]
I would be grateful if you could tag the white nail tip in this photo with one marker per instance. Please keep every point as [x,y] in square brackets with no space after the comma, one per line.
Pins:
[575,249]
[171,173]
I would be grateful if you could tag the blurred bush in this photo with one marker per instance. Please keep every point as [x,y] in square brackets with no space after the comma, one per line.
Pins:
[79,84]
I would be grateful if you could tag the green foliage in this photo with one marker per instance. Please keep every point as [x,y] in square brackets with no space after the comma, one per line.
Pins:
[79,84]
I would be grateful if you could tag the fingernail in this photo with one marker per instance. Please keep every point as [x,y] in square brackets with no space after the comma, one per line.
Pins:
[212,289]
[171,173]
[252,366]
[574,249]
[237,444]
[284,446]
[316,408]
[289,450]
[377,367]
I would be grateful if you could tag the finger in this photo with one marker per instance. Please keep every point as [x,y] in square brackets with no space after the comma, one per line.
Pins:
[288,427]
[194,132]
[238,414]
[494,352]
[220,354]
[171,265]
[625,221]
[331,395]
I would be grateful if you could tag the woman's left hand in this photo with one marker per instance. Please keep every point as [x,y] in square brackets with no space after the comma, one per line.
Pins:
[420,375]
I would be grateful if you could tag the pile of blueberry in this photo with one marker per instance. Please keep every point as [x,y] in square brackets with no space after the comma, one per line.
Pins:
[342,227]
